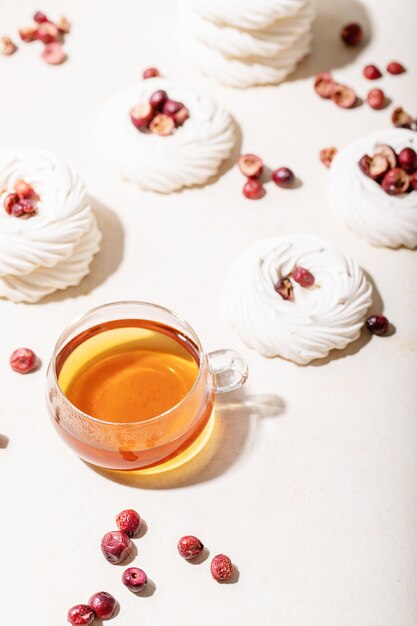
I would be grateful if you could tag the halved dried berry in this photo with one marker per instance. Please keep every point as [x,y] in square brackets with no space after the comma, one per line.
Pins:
[401,118]
[396,182]
[250,165]
[378,166]
[285,289]
[162,125]
[344,96]
[324,85]
[327,155]
[141,115]
[389,154]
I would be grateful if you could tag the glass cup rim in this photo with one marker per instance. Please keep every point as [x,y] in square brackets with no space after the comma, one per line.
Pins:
[100,307]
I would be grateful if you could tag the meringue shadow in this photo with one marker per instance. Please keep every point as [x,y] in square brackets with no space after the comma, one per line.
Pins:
[105,262]
[365,336]
[329,51]
[236,418]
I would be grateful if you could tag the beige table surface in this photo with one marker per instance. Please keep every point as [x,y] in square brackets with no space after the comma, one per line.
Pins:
[313,491]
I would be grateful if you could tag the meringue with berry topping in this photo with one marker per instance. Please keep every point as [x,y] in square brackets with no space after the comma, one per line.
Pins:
[54,248]
[297,297]
[372,193]
[157,155]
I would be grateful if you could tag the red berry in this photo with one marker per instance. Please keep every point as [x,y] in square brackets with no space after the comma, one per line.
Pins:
[9,201]
[103,604]
[389,154]
[284,288]
[40,17]
[47,32]
[29,33]
[283,177]
[27,207]
[377,324]
[352,34]
[189,547]
[407,159]
[303,277]
[371,72]
[135,579]
[141,116]
[181,116]
[162,125]
[157,99]
[116,546]
[221,567]
[327,155]
[324,84]
[344,96]
[81,615]
[376,99]
[401,119]
[253,189]
[395,182]
[171,107]
[128,521]
[53,54]
[250,165]
[23,360]
[414,180]
[395,68]
[150,72]
[374,167]
[23,189]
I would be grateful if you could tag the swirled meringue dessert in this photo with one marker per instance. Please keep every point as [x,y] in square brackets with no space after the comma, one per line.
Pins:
[297,297]
[246,43]
[373,187]
[48,233]
[163,135]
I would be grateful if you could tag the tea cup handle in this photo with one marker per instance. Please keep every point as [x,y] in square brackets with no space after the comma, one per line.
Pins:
[229,370]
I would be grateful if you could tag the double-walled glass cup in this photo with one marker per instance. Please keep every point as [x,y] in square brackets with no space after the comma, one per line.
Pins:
[125,445]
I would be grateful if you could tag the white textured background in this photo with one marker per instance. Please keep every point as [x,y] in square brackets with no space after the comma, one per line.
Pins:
[314,491]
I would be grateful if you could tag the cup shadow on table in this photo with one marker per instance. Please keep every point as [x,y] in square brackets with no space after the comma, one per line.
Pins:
[329,51]
[105,262]
[236,415]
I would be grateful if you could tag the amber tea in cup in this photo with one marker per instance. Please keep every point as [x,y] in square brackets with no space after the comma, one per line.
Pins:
[131,387]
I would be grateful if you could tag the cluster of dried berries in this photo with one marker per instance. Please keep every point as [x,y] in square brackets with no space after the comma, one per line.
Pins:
[252,167]
[300,275]
[402,119]
[160,115]
[396,173]
[221,567]
[101,605]
[49,33]
[22,201]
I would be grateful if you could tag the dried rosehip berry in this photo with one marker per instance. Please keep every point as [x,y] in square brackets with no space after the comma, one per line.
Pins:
[23,189]
[407,159]
[150,72]
[80,615]
[250,165]
[141,116]
[23,360]
[189,547]
[162,125]
[135,579]
[26,207]
[284,288]
[181,116]
[324,85]
[283,177]
[221,567]
[7,46]
[303,277]
[377,324]
[395,68]
[253,189]
[53,54]
[344,96]
[171,107]
[116,546]
[103,604]
[378,165]
[327,155]
[128,521]
[395,182]
[40,17]
[401,118]
[352,34]
[376,99]
[371,72]
[47,33]
[389,154]
[9,201]
[29,33]
[158,99]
